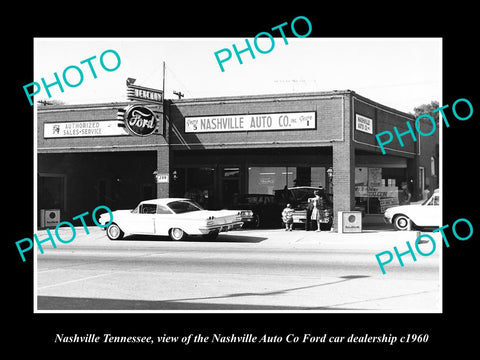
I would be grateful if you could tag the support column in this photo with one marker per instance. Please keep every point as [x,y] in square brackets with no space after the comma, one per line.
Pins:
[343,178]
[163,167]
[163,150]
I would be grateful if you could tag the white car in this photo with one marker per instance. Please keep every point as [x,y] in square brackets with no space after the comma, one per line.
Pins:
[175,217]
[426,214]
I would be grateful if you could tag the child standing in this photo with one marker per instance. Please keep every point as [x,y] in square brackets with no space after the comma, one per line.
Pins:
[287,216]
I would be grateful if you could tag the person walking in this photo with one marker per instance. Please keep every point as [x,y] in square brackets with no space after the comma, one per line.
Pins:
[287,217]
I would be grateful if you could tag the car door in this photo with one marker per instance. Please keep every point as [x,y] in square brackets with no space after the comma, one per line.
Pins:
[163,220]
[142,222]
[430,213]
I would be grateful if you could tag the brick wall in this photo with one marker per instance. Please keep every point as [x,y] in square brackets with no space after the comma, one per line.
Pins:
[328,108]
[163,167]
[428,148]
[343,160]
[383,119]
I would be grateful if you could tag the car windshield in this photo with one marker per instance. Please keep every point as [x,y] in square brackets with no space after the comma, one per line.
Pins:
[184,206]
[435,200]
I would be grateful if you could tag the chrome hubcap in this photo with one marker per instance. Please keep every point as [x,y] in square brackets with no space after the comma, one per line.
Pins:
[113,231]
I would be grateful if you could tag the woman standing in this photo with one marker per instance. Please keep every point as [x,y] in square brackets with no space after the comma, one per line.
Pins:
[318,212]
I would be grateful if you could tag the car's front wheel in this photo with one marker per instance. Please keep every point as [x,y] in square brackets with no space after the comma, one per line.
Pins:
[177,234]
[401,222]
[114,232]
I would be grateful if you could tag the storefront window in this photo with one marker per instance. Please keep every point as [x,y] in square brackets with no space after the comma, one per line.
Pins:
[377,189]
[265,180]
[195,184]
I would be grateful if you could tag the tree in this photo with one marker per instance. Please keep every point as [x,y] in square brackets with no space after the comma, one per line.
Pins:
[428,109]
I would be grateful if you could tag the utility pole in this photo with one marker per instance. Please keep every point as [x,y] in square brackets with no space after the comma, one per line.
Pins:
[163,89]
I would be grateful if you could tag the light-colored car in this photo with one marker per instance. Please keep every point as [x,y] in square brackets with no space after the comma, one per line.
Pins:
[422,215]
[175,217]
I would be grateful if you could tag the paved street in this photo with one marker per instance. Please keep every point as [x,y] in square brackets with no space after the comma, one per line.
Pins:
[264,270]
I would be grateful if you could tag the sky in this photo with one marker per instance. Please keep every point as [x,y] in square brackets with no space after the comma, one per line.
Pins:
[398,72]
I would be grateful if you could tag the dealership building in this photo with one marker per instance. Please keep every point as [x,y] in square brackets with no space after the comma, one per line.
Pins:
[117,154]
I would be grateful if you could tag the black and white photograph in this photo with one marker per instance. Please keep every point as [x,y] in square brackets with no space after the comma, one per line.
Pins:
[270,180]
[266,189]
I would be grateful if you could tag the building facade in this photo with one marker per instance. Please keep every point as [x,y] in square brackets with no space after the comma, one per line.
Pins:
[213,149]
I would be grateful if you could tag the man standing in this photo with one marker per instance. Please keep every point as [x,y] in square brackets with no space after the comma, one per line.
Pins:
[405,195]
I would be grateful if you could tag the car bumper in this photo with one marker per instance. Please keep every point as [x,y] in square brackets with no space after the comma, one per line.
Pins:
[221,227]
[249,221]
[303,220]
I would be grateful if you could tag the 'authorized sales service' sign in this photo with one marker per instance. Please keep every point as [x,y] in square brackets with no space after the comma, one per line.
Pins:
[83,129]
[251,122]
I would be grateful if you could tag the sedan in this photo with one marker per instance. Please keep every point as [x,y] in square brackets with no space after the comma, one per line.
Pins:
[175,217]
[258,210]
[427,214]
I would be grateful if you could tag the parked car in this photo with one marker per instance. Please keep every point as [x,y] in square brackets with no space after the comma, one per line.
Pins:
[258,210]
[175,217]
[298,197]
[427,214]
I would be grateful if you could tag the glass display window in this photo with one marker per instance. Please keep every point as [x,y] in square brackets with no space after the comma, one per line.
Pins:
[377,189]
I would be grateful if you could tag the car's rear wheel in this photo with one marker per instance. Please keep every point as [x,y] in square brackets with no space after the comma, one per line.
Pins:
[401,222]
[114,232]
[177,234]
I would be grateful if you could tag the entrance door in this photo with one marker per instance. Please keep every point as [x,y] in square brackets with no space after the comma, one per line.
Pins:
[230,185]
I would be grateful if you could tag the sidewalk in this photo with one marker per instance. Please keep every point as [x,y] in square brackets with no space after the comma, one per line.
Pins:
[374,240]
[368,239]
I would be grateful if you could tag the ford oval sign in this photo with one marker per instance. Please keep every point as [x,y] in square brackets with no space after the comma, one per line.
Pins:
[140,120]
